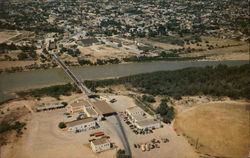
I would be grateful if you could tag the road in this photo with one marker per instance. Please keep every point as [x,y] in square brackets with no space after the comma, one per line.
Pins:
[116,123]
[79,84]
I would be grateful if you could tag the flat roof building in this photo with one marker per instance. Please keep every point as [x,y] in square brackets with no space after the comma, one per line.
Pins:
[100,145]
[135,110]
[149,123]
[81,125]
[103,108]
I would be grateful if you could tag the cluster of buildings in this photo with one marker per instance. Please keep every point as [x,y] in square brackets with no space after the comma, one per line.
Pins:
[94,112]
[127,18]
[141,120]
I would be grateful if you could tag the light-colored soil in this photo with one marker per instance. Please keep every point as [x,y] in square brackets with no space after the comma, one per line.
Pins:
[43,138]
[230,53]
[9,64]
[103,52]
[219,128]
[6,35]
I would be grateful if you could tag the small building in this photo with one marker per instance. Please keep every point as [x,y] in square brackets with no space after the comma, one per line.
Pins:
[133,111]
[148,124]
[81,125]
[78,106]
[89,42]
[90,111]
[50,107]
[100,145]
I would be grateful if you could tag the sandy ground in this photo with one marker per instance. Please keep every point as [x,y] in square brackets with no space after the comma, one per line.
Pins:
[219,128]
[9,64]
[6,35]
[43,138]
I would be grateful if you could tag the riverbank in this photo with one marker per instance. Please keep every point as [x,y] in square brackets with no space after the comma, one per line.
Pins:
[13,82]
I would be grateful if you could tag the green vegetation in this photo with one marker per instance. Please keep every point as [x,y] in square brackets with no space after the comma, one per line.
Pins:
[167,113]
[5,126]
[62,125]
[121,154]
[53,91]
[146,107]
[215,81]
[149,99]
[161,57]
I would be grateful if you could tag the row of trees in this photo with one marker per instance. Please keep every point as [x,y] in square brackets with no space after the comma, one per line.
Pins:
[53,91]
[215,81]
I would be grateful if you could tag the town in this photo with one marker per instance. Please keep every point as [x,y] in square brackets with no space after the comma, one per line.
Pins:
[132,32]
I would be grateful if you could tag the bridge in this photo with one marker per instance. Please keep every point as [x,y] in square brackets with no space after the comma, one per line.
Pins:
[72,76]
[115,120]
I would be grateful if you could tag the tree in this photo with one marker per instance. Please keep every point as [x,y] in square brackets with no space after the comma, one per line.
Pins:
[22,56]
[62,125]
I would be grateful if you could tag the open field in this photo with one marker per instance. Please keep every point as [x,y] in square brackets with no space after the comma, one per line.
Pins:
[6,35]
[9,64]
[219,128]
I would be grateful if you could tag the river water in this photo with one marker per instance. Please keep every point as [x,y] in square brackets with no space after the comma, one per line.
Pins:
[37,78]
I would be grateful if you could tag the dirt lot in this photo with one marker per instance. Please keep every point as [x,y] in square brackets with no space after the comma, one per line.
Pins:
[6,35]
[219,128]
[43,138]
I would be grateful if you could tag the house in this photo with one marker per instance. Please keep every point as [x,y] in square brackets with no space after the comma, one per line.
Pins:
[100,145]
[81,125]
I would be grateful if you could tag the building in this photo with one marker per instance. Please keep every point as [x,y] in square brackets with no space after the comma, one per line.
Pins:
[81,125]
[78,106]
[103,108]
[100,145]
[148,124]
[141,120]
[89,42]
[88,109]
[50,107]
[135,110]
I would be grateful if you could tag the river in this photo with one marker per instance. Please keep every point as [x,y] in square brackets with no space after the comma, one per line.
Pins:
[24,80]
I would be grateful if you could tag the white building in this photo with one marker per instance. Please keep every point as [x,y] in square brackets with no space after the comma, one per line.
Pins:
[81,125]
[141,120]
[100,145]
[89,110]
[135,110]
[149,124]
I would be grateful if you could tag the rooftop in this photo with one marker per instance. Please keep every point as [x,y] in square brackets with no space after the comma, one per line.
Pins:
[134,109]
[80,103]
[102,107]
[100,141]
[148,122]
[91,111]
[79,122]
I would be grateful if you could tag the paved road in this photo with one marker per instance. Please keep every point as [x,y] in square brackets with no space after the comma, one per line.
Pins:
[116,122]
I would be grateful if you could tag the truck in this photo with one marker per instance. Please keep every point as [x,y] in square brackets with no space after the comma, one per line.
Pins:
[143,147]
[97,134]
[147,147]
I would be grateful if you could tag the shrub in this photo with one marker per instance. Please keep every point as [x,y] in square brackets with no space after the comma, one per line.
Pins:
[62,125]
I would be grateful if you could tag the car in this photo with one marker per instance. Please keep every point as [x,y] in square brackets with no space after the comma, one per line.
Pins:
[112,100]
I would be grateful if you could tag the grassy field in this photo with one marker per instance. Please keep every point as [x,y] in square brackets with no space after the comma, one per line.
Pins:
[219,129]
